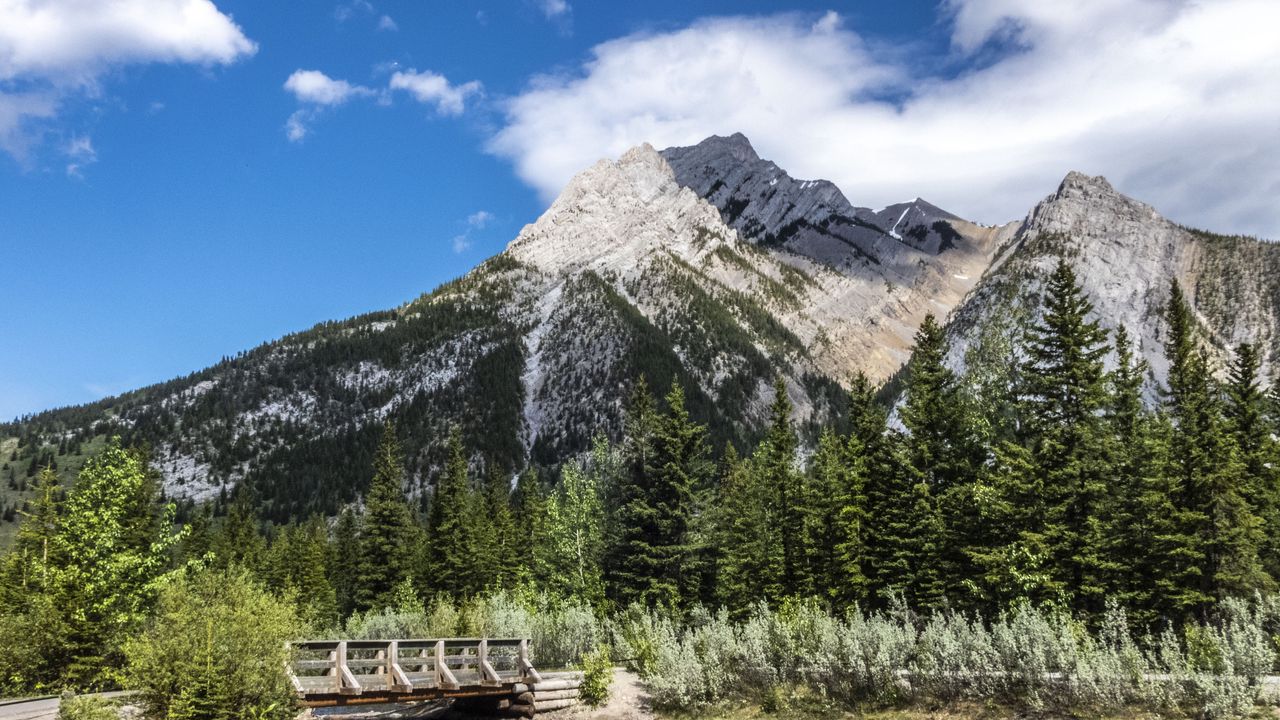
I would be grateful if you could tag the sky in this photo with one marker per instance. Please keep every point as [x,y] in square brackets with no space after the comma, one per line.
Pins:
[181,180]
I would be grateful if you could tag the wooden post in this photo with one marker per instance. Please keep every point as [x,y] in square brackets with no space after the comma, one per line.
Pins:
[488,676]
[397,681]
[527,673]
[444,676]
[348,685]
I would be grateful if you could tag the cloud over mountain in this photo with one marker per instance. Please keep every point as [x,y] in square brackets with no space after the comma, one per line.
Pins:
[1175,101]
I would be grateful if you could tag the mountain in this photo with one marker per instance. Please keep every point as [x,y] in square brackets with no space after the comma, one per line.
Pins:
[1126,255]
[702,264]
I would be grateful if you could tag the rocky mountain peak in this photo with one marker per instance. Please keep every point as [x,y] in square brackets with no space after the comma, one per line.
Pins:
[613,212]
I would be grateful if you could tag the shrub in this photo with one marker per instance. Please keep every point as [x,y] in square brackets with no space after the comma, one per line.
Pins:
[73,707]
[597,676]
[214,650]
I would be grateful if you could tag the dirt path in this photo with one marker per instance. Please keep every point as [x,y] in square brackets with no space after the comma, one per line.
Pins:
[627,701]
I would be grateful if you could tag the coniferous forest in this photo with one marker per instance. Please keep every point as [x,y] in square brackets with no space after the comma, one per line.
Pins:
[1056,515]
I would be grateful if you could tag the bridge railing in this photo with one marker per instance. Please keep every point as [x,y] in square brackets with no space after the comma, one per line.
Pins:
[389,667]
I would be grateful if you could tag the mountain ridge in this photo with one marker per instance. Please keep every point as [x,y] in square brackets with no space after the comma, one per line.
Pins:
[676,265]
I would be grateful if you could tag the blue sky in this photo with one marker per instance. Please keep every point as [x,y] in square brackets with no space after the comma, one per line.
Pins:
[156,214]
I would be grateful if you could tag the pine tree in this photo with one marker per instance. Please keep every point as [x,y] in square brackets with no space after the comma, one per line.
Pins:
[629,525]
[1246,414]
[1211,479]
[835,520]
[389,532]
[501,562]
[344,565]
[654,524]
[1063,393]
[943,453]
[449,560]
[35,547]
[775,462]
[749,559]
[239,539]
[529,507]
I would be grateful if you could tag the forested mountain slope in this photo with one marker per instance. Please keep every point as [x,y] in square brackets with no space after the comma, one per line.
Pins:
[705,264]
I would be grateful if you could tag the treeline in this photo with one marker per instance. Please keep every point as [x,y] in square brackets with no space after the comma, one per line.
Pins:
[1049,483]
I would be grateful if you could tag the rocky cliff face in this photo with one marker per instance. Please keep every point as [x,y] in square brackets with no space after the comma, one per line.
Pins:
[897,264]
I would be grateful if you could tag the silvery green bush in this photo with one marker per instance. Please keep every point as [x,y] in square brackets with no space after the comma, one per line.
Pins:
[1027,656]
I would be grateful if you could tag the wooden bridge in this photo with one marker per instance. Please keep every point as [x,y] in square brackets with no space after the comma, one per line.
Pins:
[345,672]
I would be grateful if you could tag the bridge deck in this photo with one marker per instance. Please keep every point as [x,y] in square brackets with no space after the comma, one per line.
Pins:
[340,672]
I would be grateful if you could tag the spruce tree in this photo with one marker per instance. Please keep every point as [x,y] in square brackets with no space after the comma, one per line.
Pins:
[835,520]
[529,507]
[345,561]
[654,524]
[449,559]
[1063,393]
[34,552]
[388,531]
[1212,482]
[775,462]
[1246,414]
[629,527]
[943,452]
[749,561]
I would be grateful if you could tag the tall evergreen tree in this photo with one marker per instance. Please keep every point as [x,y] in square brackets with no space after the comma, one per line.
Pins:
[835,520]
[943,453]
[344,558]
[629,525]
[749,561]
[529,507]
[449,559]
[775,462]
[389,531]
[654,524]
[1064,392]
[1246,414]
[1207,466]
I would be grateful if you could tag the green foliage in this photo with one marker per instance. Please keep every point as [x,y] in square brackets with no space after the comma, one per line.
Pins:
[215,649]
[389,533]
[81,707]
[597,677]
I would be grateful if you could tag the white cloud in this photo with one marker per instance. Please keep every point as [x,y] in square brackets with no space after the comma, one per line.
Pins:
[318,92]
[297,126]
[313,86]
[554,8]
[479,219]
[829,22]
[80,152]
[52,49]
[461,243]
[386,23]
[1178,103]
[435,89]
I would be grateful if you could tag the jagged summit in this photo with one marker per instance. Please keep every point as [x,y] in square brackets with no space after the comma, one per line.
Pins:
[809,217]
